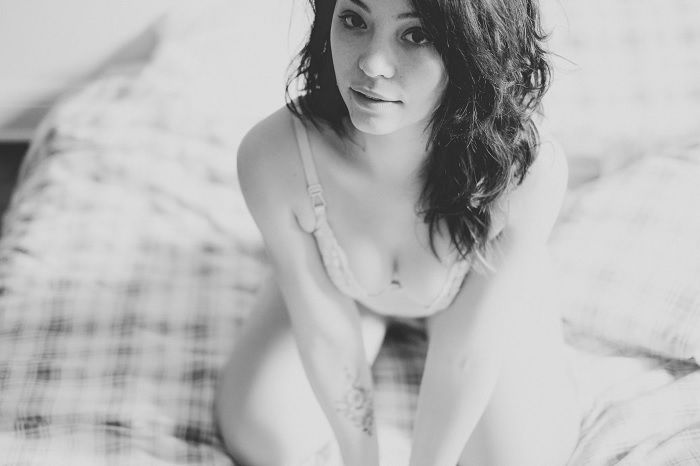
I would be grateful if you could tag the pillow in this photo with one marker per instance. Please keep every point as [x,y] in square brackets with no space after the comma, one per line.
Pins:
[128,261]
[628,255]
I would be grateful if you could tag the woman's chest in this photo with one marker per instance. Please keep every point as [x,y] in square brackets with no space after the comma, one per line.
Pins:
[388,250]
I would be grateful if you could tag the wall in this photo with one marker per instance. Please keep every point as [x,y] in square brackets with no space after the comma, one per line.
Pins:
[48,46]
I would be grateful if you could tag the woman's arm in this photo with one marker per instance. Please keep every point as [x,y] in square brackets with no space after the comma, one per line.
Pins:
[467,345]
[326,323]
[469,340]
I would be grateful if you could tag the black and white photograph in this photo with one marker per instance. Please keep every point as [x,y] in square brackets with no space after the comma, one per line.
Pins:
[349,233]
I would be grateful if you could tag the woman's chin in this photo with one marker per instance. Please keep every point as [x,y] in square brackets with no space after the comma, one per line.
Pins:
[373,124]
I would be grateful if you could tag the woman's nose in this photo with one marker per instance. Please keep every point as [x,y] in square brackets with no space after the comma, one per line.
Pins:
[377,60]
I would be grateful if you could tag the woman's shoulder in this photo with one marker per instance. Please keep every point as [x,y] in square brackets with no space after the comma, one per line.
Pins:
[265,142]
[270,173]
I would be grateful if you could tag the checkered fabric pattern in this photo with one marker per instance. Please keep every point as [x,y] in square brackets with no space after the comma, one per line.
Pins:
[628,75]
[629,256]
[651,418]
[128,264]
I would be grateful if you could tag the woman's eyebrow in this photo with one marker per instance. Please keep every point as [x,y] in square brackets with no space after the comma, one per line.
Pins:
[362,5]
[409,14]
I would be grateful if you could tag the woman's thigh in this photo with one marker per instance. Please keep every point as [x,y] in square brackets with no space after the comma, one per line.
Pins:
[264,400]
[533,416]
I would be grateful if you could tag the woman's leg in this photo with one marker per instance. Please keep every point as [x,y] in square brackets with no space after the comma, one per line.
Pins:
[266,410]
[533,417]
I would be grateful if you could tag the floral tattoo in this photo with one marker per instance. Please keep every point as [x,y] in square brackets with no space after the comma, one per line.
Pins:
[357,405]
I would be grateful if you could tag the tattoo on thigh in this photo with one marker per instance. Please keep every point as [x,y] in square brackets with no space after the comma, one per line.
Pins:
[357,405]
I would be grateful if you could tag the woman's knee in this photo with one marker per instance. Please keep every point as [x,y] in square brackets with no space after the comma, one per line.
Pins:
[272,418]
[265,406]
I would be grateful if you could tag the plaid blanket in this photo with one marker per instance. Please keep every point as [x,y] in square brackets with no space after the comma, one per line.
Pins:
[128,262]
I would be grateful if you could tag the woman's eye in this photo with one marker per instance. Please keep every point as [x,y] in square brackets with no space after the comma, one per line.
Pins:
[352,21]
[417,36]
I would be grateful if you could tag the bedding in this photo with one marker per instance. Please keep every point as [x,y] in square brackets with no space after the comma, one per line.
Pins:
[632,237]
[128,263]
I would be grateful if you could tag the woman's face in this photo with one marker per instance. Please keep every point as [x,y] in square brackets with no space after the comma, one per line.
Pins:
[389,74]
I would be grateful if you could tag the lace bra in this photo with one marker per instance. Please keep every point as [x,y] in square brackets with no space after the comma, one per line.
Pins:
[391,300]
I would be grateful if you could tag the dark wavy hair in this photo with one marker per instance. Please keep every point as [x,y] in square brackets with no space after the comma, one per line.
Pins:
[482,135]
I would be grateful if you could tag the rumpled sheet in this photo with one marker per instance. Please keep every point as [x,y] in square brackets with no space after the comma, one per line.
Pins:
[128,262]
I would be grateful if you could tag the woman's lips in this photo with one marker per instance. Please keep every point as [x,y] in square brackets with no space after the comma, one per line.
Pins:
[373,95]
[372,101]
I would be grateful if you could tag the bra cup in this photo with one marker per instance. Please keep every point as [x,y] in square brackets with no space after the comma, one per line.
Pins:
[337,267]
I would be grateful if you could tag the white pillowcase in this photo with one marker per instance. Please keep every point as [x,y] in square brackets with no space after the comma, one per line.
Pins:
[628,257]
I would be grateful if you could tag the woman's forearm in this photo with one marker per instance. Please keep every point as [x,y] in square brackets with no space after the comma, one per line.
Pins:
[451,401]
[341,379]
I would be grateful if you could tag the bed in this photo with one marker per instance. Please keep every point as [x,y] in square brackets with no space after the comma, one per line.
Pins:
[128,262]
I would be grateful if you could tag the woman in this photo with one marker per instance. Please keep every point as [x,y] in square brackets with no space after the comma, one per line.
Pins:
[407,181]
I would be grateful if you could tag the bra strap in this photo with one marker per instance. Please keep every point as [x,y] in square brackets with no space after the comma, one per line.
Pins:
[313,187]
